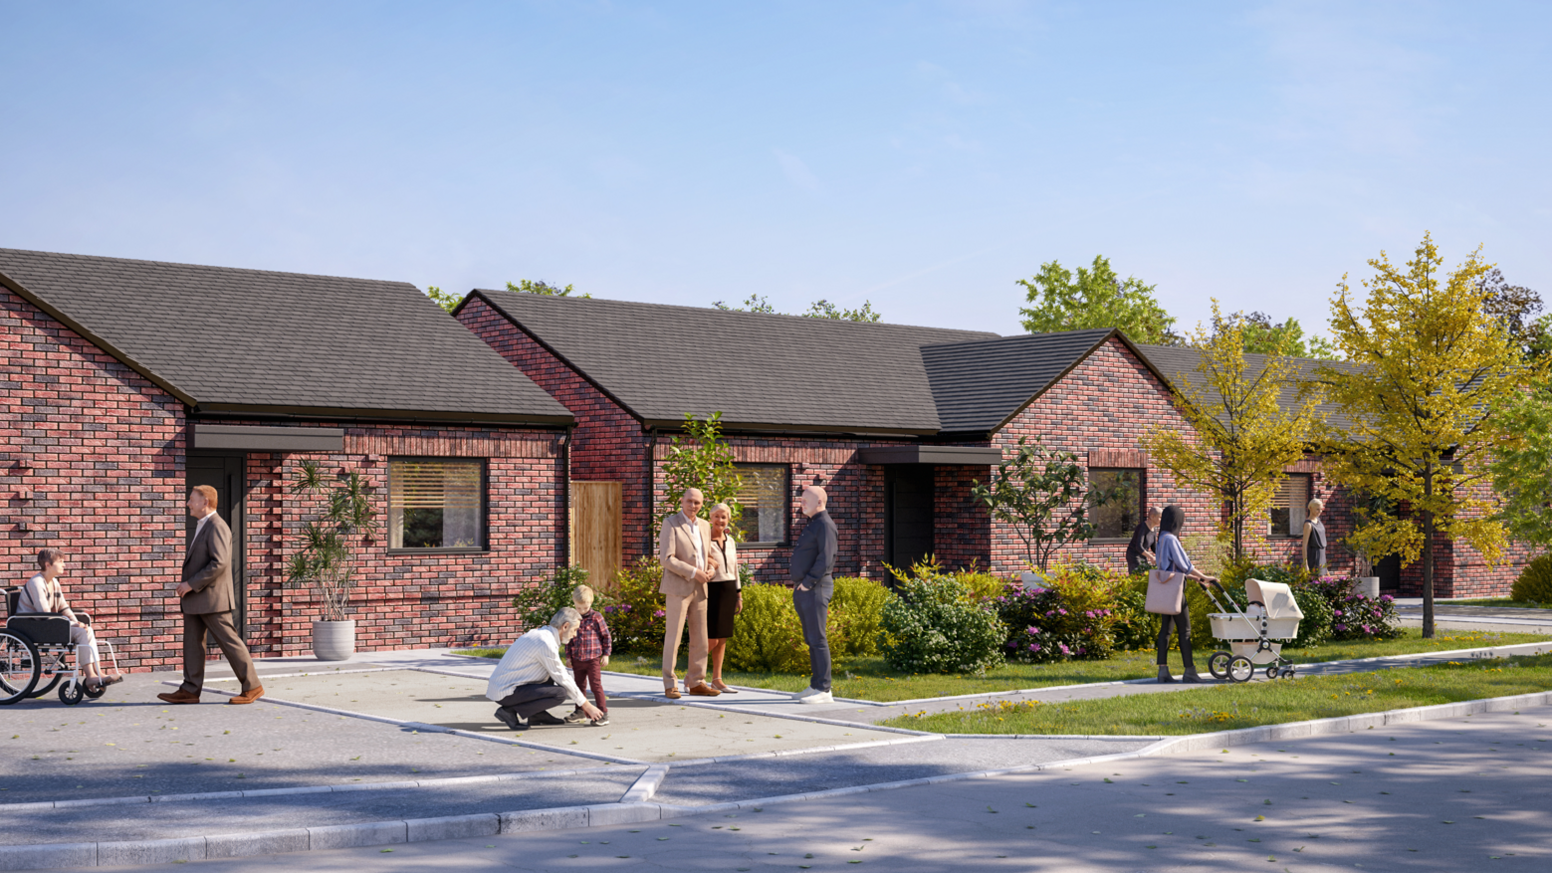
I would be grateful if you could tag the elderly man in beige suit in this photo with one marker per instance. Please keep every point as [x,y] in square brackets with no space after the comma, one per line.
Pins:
[684,549]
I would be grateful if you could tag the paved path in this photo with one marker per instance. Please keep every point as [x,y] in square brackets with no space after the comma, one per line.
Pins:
[1449,616]
[1465,794]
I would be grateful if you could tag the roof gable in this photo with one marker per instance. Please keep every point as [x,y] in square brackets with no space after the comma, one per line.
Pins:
[979,385]
[230,340]
[761,371]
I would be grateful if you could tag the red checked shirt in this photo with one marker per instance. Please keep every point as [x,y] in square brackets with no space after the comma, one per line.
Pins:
[592,640]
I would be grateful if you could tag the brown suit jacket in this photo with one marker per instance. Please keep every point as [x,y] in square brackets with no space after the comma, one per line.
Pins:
[207,568]
[676,552]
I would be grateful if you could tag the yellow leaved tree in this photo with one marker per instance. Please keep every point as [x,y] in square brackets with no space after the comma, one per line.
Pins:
[1431,371]
[1249,420]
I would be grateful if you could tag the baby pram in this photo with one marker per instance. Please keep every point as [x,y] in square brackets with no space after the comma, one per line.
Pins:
[1249,638]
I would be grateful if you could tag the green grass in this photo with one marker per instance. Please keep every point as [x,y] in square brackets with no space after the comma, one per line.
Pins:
[871,679]
[1226,707]
[1497,601]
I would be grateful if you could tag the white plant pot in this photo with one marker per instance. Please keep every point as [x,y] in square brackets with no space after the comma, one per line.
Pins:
[1368,586]
[334,640]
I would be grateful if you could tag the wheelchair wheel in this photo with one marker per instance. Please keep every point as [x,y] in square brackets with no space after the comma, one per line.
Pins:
[1218,665]
[19,667]
[1240,669]
[101,690]
[71,693]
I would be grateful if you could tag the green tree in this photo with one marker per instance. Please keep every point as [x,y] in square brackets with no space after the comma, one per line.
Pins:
[700,458]
[1095,297]
[545,289]
[1040,492]
[1432,372]
[817,309]
[442,298]
[1262,336]
[1242,437]
[1522,467]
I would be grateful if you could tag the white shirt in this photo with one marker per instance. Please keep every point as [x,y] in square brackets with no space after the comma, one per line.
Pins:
[695,537]
[200,525]
[534,658]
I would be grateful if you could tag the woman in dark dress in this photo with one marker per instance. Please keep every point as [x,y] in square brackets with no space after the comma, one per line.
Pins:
[1173,559]
[1314,552]
[723,597]
[1139,552]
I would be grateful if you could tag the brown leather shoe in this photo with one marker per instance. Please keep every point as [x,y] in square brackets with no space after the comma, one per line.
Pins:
[248,696]
[704,690]
[179,696]
[671,693]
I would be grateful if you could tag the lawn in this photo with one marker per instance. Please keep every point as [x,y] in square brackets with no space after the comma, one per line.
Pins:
[1226,707]
[1495,601]
[870,679]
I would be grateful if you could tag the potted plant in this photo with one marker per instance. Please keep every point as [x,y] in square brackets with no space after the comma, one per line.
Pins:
[327,557]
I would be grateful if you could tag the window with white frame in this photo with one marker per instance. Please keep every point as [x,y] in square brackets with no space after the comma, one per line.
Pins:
[436,503]
[1288,505]
[764,504]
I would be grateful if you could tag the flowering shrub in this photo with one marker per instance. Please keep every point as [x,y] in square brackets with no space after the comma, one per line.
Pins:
[1072,615]
[1356,616]
[634,608]
[979,586]
[934,626]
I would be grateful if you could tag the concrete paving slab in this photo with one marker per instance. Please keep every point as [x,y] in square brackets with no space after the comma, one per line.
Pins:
[334,813]
[641,729]
[128,743]
[1465,794]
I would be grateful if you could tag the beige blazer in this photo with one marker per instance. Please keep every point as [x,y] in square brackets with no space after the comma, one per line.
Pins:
[208,569]
[676,552]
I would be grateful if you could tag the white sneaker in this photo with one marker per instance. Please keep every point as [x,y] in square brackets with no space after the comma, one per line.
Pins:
[810,691]
[818,697]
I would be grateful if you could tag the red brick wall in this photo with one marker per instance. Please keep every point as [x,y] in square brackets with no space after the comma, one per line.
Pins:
[608,443]
[105,451]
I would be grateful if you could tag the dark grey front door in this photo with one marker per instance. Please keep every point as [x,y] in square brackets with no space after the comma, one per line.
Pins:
[908,513]
[223,471]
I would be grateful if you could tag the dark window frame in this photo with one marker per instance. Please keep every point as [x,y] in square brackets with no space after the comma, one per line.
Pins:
[482,549]
[1142,501]
[786,491]
[1309,492]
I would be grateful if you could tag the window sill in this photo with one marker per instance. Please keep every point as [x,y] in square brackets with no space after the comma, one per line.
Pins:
[412,552]
[1108,541]
[747,546]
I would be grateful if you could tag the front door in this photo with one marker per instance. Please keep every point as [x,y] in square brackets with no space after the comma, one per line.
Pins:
[908,514]
[224,472]
[1389,571]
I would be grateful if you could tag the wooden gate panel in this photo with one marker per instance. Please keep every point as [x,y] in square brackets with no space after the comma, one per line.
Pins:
[597,530]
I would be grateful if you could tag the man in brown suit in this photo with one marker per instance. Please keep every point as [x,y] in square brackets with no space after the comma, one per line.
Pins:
[684,549]
[207,599]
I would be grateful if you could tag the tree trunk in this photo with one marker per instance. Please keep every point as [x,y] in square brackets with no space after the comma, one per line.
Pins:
[1428,556]
[1237,523]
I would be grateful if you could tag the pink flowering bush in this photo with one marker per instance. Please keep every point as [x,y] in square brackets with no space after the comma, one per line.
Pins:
[634,608]
[1073,614]
[1356,616]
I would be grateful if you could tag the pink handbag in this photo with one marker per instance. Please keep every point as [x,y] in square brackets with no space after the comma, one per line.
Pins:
[1166,591]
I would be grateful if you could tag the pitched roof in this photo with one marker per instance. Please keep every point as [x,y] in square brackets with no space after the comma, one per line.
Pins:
[979,385]
[1178,365]
[230,340]
[761,371]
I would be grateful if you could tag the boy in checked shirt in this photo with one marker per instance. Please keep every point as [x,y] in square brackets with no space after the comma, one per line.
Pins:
[588,653]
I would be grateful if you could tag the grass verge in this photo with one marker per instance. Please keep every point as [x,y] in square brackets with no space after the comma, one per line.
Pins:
[871,678]
[1227,707]
[1496,601]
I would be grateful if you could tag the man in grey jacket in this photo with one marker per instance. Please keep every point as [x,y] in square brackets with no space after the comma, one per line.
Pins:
[813,562]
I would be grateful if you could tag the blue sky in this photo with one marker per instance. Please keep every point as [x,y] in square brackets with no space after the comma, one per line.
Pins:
[923,156]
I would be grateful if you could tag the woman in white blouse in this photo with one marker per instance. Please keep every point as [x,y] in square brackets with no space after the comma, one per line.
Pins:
[724,600]
[42,593]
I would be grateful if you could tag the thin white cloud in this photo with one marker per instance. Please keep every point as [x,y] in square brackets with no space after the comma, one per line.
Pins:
[797,172]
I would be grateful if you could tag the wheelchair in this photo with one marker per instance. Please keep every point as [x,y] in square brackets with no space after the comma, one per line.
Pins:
[35,648]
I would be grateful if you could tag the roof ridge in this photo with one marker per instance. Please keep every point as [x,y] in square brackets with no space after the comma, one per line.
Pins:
[186,265]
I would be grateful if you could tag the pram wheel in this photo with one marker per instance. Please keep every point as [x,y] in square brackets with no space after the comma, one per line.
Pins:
[71,693]
[1218,665]
[1240,669]
[1272,672]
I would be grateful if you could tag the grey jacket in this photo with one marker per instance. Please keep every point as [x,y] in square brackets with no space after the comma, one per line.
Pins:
[207,568]
[813,558]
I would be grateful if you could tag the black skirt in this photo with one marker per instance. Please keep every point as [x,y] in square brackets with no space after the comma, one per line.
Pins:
[721,601]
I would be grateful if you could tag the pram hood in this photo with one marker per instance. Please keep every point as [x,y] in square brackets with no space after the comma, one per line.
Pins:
[1277,597]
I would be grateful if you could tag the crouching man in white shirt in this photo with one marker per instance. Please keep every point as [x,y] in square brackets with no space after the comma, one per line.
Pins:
[531,679]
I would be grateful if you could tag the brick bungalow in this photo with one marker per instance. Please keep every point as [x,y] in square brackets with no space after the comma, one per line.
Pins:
[896,421]
[128,382]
